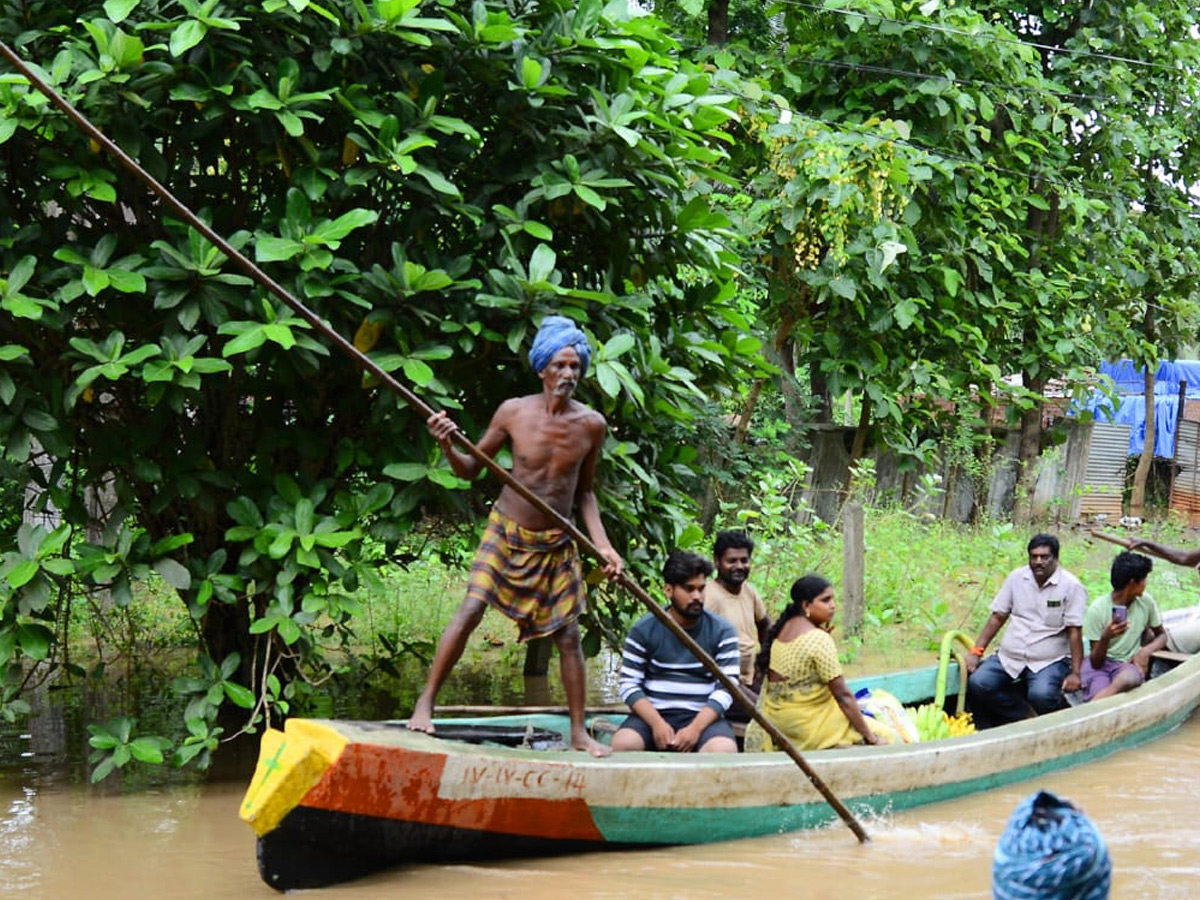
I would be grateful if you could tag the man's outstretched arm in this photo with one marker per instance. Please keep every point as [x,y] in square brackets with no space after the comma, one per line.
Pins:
[1175,555]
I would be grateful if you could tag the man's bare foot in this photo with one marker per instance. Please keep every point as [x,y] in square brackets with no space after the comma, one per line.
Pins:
[422,717]
[584,741]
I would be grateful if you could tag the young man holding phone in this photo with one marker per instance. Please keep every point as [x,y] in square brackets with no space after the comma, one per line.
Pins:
[1114,627]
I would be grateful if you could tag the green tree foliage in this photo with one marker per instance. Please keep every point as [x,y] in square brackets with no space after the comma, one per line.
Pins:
[1136,71]
[914,155]
[429,178]
[935,187]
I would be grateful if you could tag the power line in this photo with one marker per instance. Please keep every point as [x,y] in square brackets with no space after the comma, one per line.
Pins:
[954,79]
[962,32]
[951,79]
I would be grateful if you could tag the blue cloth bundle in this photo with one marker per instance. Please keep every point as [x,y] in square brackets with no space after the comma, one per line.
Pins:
[555,333]
[1050,851]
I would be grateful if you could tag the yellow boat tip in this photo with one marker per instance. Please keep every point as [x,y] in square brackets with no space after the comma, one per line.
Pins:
[290,763]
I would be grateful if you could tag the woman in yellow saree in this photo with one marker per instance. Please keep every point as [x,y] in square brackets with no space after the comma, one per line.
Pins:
[804,693]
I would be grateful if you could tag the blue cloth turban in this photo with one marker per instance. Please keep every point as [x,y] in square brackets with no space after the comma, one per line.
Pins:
[1050,851]
[558,332]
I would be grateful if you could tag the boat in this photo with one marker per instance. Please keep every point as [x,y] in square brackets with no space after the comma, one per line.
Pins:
[335,800]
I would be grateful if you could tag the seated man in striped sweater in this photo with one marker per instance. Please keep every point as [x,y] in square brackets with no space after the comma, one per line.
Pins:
[677,703]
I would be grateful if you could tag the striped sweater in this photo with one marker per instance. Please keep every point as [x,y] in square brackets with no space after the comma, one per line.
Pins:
[656,665]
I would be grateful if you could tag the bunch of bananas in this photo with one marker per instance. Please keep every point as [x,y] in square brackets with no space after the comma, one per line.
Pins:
[933,724]
[960,724]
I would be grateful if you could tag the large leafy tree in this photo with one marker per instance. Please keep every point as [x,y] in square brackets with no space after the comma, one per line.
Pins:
[1061,159]
[1129,74]
[899,173]
[1136,71]
[944,198]
[429,178]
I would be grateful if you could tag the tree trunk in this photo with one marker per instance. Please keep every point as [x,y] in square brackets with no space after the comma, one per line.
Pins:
[718,22]
[823,411]
[1028,452]
[783,354]
[858,446]
[709,507]
[537,656]
[853,568]
[1137,499]
[225,629]
[1042,227]
[743,422]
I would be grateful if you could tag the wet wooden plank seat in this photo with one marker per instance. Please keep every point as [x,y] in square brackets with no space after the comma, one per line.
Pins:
[1163,661]
[1169,658]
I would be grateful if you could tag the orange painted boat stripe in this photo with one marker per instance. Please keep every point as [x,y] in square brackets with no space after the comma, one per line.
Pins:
[391,783]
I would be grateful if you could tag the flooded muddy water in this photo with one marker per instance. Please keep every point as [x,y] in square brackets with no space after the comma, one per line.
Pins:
[61,840]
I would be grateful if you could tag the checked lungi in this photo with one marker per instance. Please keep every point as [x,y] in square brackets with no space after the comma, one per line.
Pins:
[533,577]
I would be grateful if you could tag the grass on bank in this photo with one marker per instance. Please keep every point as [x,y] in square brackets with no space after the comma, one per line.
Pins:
[923,577]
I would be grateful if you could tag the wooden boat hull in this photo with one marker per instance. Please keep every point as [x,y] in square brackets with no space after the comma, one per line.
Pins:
[336,800]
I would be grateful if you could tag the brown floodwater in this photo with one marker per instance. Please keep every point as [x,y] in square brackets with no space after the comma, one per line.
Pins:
[61,841]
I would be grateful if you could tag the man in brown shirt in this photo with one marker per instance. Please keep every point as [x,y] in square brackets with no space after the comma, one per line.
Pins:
[731,596]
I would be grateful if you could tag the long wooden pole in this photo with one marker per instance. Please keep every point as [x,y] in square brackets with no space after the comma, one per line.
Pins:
[426,411]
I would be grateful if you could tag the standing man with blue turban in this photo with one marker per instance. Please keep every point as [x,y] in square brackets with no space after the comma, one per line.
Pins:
[527,566]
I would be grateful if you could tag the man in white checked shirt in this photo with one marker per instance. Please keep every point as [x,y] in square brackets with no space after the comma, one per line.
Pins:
[677,703]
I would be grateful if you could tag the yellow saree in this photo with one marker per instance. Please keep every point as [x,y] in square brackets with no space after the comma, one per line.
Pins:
[802,706]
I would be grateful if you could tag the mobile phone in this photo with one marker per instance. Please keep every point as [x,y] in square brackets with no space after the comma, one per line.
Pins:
[1120,613]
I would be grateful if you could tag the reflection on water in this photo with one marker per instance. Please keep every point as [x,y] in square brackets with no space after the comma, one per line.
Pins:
[187,843]
[75,842]
[51,745]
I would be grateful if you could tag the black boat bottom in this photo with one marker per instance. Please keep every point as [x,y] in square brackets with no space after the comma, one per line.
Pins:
[315,847]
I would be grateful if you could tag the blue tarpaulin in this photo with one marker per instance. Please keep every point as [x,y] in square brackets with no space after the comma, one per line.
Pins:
[1130,407]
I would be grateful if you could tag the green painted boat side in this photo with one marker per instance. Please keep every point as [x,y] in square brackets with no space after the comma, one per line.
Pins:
[909,686]
[696,826]
[870,779]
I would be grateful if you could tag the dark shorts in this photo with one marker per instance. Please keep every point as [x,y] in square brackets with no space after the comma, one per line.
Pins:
[677,719]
